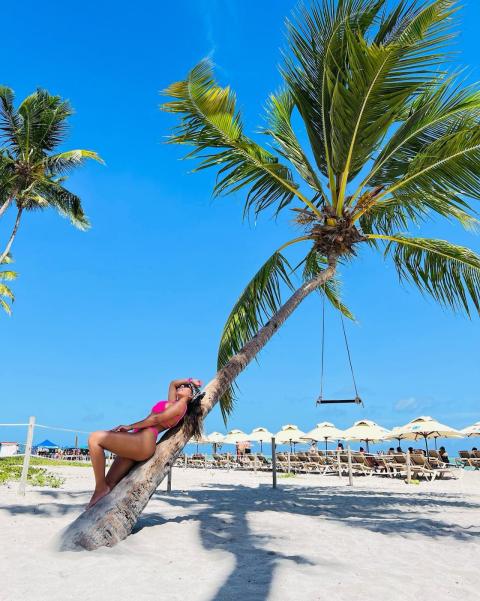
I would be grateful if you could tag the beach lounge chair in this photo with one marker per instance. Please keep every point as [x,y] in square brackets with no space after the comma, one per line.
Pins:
[421,467]
[360,464]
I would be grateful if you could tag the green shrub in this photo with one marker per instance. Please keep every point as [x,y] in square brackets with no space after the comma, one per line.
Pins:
[37,476]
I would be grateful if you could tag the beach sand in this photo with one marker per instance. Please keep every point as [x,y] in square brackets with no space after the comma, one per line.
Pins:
[226,536]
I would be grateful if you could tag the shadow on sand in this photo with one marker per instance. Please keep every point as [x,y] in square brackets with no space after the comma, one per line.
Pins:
[222,512]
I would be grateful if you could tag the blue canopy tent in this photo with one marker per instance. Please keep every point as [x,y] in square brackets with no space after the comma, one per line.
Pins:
[47,444]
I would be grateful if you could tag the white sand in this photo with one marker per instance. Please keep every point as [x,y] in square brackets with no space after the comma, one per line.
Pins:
[228,536]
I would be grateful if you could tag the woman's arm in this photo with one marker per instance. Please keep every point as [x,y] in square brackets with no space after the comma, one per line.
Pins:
[154,419]
[172,389]
[174,384]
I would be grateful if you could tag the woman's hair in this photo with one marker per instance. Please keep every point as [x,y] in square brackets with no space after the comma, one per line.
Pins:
[194,417]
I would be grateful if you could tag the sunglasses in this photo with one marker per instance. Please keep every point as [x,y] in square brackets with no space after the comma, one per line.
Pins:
[183,386]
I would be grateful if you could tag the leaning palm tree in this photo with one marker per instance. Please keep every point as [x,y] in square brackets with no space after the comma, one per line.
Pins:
[6,295]
[32,174]
[392,142]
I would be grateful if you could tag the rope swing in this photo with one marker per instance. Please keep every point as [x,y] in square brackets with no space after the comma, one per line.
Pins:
[321,401]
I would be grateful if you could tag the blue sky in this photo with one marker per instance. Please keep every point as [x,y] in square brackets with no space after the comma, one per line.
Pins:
[104,319]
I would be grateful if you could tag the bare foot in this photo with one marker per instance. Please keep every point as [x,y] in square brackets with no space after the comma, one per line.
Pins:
[98,494]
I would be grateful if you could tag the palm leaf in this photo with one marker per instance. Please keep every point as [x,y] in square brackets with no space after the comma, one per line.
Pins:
[314,264]
[44,122]
[447,272]
[370,96]
[5,307]
[211,123]
[279,114]
[402,210]
[257,303]
[64,162]
[50,193]
[437,112]
[10,122]
[317,37]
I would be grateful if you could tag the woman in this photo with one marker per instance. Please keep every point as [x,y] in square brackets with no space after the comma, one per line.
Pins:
[137,442]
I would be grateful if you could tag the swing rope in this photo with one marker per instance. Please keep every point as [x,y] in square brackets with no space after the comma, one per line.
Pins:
[320,399]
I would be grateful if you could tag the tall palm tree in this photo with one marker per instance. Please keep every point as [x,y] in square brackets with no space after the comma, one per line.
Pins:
[392,142]
[32,174]
[6,295]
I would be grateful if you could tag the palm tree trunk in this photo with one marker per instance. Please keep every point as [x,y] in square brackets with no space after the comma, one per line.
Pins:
[5,206]
[113,517]
[12,237]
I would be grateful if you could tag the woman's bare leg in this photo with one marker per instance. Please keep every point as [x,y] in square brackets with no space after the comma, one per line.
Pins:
[135,447]
[119,468]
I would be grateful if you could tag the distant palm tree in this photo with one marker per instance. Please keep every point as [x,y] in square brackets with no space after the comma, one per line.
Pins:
[31,173]
[5,293]
[393,141]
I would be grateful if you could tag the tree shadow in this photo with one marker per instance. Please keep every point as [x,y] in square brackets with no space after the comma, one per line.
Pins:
[222,512]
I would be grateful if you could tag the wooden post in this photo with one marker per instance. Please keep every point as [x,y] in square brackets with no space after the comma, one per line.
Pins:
[185,462]
[350,475]
[26,458]
[288,462]
[169,480]
[409,468]
[338,464]
[274,463]
[255,463]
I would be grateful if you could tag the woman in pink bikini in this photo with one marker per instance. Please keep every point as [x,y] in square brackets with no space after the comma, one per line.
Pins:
[137,442]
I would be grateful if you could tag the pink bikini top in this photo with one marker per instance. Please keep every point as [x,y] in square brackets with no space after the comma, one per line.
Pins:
[160,408]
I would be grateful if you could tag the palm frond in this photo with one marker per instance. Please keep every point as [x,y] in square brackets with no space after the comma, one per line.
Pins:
[279,119]
[64,162]
[257,303]
[50,193]
[10,122]
[437,112]
[449,165]
[402,210]
[5,292]
[5,307]
[211,123]
[44,122]
[315,37]
[378,80]
[447,272]
[314,264]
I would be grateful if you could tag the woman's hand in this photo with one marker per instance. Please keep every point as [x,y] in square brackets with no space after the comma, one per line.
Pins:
[197,382]
[121,429]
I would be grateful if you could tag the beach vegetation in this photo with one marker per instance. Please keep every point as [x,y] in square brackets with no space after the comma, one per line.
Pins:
[11,470]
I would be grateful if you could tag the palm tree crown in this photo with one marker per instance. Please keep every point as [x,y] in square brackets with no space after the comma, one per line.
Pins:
[394,140]
[32,174]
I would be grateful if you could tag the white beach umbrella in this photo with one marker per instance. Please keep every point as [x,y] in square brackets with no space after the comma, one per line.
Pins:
[289,434]
[365,430]
[324,431]
[260,435]
[199,440]
[235,436]
[215,438]
[473,430]
[424,427]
